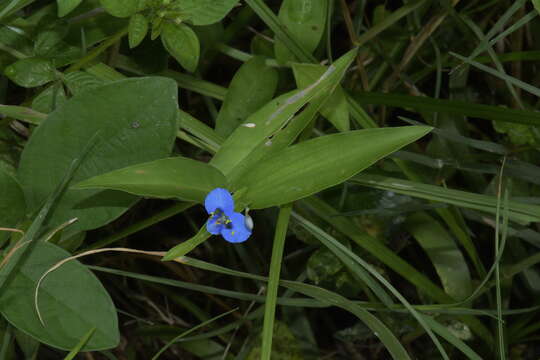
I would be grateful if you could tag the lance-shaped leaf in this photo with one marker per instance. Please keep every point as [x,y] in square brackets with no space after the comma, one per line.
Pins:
[314,165]
[176,177]
[263,124]
[443,253]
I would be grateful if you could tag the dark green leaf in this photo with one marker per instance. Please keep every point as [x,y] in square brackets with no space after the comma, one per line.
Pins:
[12,206]
[31,72]
[71,301]
[121,8]
[305,20]
[182,43]
[245,95]
[136,121]
[443,253]
[66,6]
[206,12]
[138,27]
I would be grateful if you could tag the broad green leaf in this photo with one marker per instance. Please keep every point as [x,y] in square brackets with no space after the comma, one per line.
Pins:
[176,177]
[314,165]
[443,253]
[246,95]
[305,20]
[31,72]
[12,206]
[121,8]
[518,211]
[138,27]
[71,301]
[66,6]
[182,43]
[135,121]
[335,108]
[206,12]
[266,122]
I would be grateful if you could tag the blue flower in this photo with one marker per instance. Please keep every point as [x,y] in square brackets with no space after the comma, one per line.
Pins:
[224,221]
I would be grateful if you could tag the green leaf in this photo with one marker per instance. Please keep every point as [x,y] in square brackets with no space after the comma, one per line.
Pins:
[443,253]
[49,39]
[182,43]
[137,29]
[12,206]
[121,8]
[245,96]
[176,177]
[80,81]
[22,113]
[335,108]
[206,12]
[305,20]
[269,120]
[518,211]
[536,4]
[31,72]
[66,6]
[314,165]
[423,103]
[125,114]
[71,301]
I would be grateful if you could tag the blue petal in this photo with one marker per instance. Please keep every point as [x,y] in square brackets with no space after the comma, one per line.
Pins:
[213,226]
[219,199]
[238,232]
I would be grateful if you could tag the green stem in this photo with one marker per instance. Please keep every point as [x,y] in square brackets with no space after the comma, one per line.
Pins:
[98,50]
[160,216]
[273,281]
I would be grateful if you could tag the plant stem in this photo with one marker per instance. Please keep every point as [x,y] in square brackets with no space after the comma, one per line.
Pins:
[273,282]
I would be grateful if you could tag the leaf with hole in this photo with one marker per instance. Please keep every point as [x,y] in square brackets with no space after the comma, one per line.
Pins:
[273,117]
[335,109]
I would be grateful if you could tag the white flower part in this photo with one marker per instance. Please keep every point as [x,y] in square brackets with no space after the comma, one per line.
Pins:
[249,125]
[248,221]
